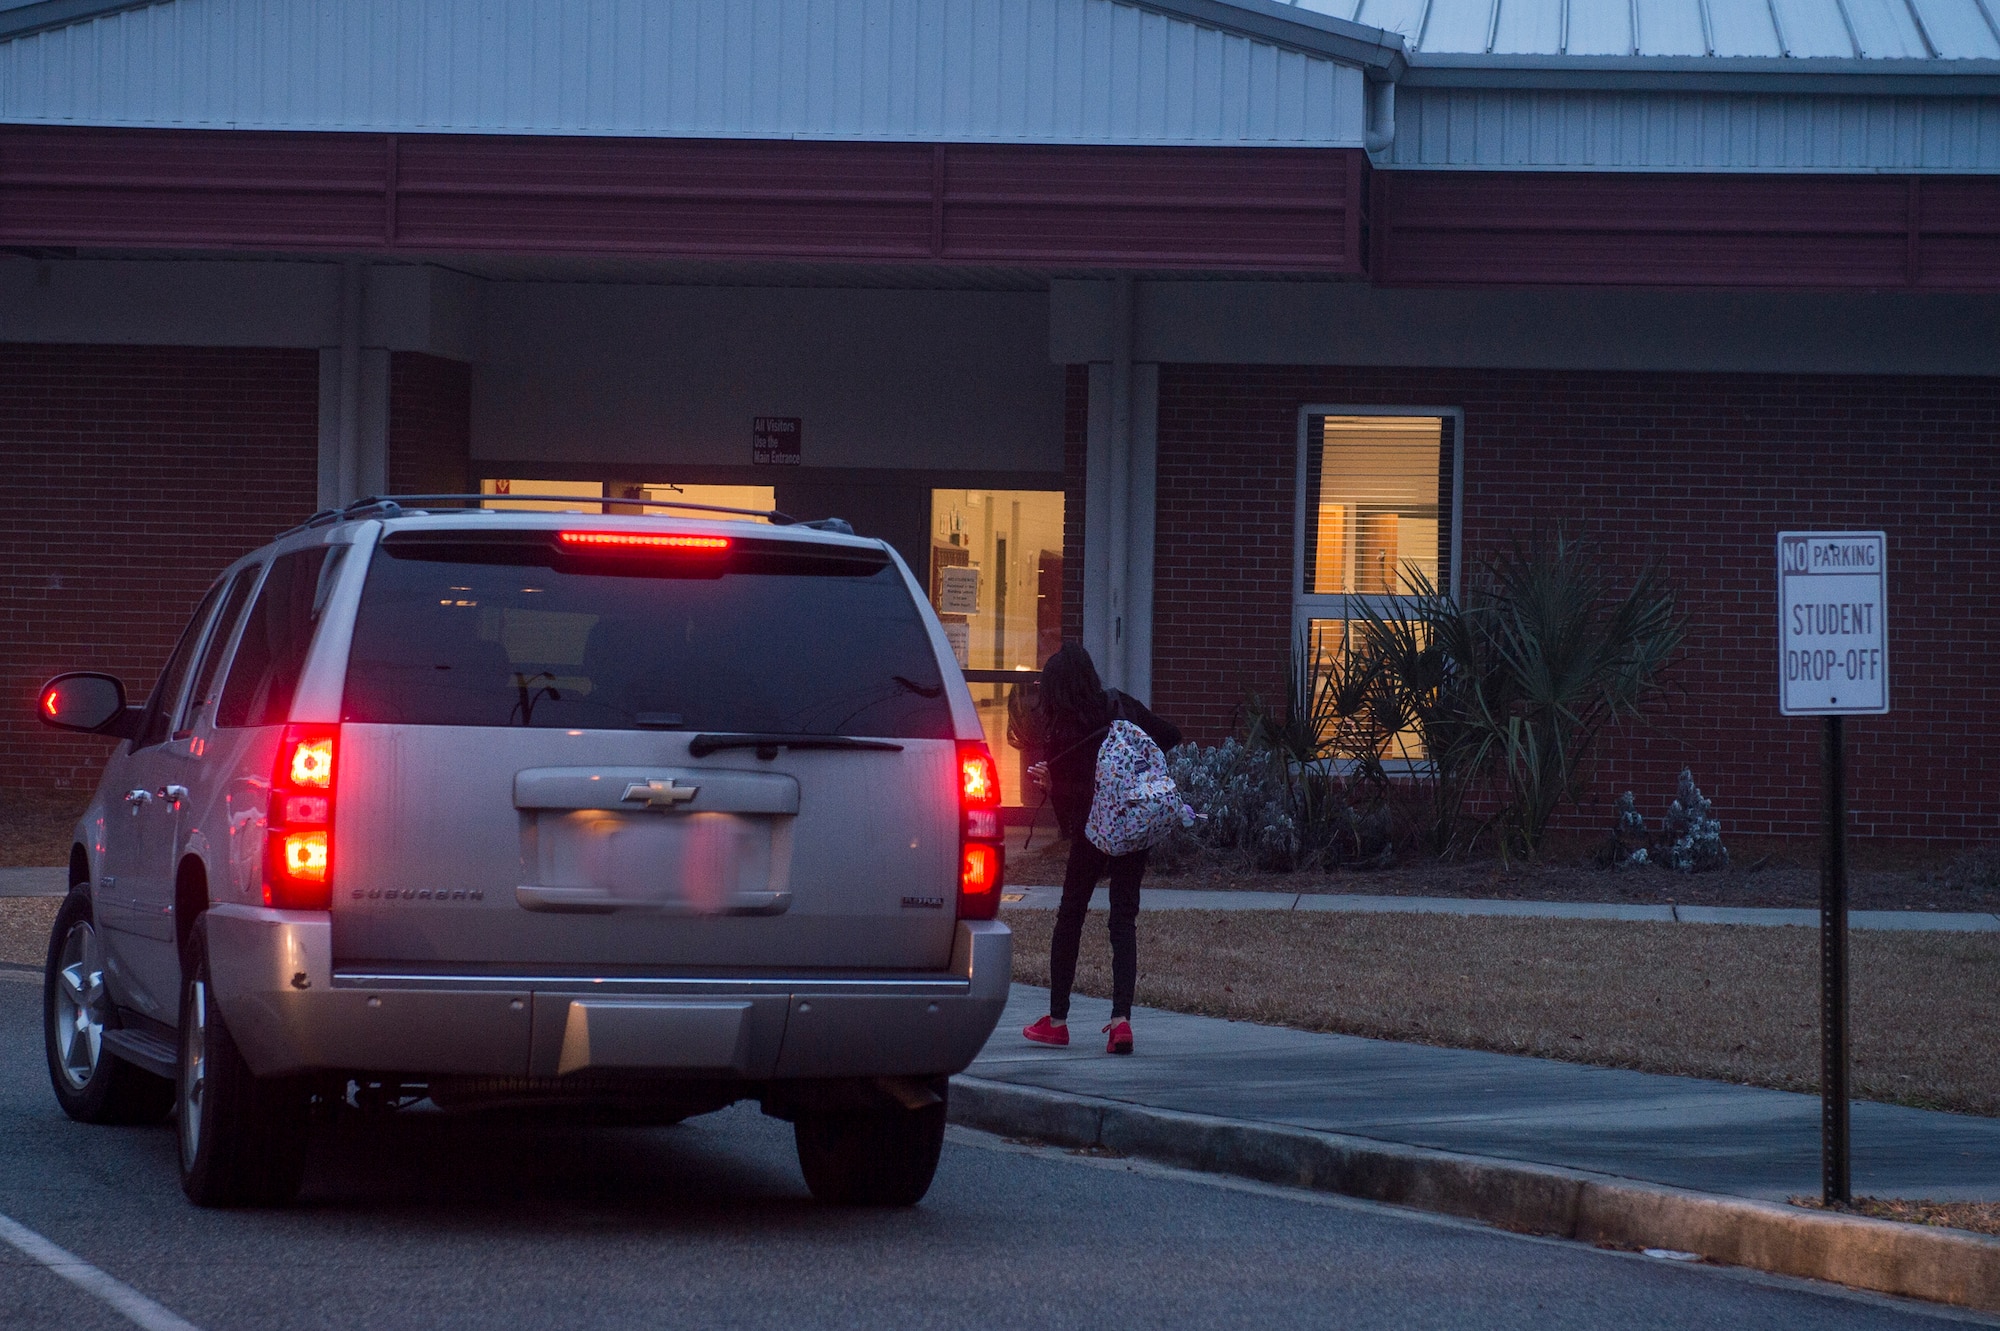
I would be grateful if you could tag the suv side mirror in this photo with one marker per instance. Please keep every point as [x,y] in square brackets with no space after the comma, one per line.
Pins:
[87,701]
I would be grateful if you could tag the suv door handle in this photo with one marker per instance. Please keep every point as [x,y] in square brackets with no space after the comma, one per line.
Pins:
[138,797]
[173,794]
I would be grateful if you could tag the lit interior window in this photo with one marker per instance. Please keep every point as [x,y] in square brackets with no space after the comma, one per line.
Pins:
[1372,509]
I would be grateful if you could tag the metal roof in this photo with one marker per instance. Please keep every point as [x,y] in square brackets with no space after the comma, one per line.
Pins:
[1578,31]
[1188,72]
[1698,85]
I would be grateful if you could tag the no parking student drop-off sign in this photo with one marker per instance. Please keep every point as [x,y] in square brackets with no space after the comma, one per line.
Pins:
[1833,661]
[1833,634]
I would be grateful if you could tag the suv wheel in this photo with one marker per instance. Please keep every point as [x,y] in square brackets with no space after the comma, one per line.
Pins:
[880,1157]
[242,1137]
[92,1084]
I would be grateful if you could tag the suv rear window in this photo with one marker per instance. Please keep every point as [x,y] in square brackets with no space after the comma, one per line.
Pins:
[765,638]
[276,636]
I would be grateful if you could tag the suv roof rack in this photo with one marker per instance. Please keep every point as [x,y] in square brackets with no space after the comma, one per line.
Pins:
[362,507]
[389,506]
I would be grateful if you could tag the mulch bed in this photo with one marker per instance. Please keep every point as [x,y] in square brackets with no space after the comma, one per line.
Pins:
[35,830]
[1762,874]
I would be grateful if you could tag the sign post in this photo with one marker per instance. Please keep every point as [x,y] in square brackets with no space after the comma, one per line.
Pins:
[1833,661]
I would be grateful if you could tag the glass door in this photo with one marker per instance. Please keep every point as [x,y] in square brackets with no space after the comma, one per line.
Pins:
[996,580]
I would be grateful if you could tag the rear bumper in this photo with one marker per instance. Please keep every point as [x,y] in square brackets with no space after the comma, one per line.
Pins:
[290,1011]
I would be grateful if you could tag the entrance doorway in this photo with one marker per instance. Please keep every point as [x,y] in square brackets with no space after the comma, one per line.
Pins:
[996,581]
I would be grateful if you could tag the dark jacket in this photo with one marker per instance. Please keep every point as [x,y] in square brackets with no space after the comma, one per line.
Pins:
[1073,758]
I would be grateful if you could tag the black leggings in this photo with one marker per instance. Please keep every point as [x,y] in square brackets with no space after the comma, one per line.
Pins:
[1087,864]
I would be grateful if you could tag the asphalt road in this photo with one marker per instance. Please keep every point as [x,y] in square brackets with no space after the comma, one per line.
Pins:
[442,1223]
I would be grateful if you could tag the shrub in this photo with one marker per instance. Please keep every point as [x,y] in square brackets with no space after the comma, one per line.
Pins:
[1693,836]
[1240,796]
[1516,683]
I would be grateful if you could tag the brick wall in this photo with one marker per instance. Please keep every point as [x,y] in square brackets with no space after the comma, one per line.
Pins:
[430,424]
[132,476]
[1696,472]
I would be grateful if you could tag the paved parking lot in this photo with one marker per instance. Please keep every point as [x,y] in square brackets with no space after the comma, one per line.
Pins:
[440,1223]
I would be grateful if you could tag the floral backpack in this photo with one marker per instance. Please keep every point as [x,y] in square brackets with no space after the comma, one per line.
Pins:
[1137,804]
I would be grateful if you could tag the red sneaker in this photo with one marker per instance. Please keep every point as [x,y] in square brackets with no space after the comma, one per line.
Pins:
[1046,1032]
[1121,1038]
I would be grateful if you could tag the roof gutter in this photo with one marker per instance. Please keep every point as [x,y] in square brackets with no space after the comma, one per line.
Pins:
[28,20]
[1295,28]
[1715,74]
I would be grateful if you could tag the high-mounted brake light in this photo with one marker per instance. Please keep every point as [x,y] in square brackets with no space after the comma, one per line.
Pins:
[981,857]
[298,847]
[623,540]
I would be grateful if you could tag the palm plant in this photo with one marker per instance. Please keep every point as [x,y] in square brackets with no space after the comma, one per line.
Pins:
[1430,668]
[1519,680]
[1564,655]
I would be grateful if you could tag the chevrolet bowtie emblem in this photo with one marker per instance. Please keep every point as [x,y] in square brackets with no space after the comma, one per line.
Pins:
[659,794]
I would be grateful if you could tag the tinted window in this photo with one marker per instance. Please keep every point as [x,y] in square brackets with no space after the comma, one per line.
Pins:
[203,694]
[276,636]
[762,639]
[167,688]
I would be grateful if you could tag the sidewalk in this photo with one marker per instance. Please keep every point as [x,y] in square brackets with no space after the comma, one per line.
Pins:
[1158,898]
[1708,1136]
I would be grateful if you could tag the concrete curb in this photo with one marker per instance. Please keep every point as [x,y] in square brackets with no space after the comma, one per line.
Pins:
[1943,1266]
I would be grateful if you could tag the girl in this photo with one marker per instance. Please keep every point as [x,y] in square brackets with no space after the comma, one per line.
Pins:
[1076,713]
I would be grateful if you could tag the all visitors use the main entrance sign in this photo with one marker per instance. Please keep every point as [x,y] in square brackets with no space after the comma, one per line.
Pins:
[1833,623]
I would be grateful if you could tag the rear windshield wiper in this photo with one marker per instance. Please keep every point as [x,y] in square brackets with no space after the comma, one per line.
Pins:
[767,746]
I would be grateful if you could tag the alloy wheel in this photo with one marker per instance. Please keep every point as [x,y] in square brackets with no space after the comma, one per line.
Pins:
[76,1017]
[194,1069]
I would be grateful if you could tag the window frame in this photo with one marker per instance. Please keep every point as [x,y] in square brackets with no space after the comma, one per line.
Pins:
[187,650]
[219,650]
[1306,606]
[1309,606]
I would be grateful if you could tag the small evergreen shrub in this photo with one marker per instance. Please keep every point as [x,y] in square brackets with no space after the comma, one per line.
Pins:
[1690,839]
[1629,837]
[1692,833]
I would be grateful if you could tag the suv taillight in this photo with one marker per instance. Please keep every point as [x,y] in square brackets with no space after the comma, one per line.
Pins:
[981,857]
[298,847]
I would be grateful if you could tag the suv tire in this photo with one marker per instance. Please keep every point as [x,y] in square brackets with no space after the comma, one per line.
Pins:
[879,1157]
[92,1084]
[242,1137]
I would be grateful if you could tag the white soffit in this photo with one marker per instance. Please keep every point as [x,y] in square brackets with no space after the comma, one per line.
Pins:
[1490,129]
[1040,71]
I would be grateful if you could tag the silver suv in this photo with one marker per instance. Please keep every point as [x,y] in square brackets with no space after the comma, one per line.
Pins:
[641,815]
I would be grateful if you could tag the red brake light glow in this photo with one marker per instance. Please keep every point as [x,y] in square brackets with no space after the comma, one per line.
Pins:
[298,847]
[979,780]
[981,857]
[312,763]
[624,540]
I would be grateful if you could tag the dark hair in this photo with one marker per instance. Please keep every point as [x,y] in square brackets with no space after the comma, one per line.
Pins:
[1073,696]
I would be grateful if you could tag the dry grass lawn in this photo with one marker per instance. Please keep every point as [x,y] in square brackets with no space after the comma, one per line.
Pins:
[1729,1002]
[35,825]
[24,928]
[1979,1217]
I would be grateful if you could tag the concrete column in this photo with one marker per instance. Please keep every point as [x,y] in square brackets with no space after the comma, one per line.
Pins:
[353,402]
[1119,498]
[1141,503]
[1097,611]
